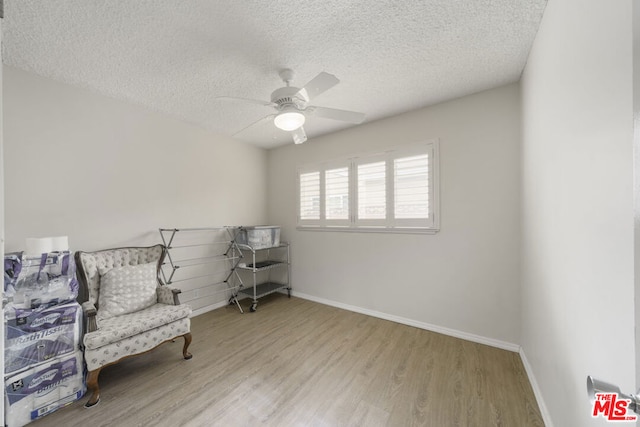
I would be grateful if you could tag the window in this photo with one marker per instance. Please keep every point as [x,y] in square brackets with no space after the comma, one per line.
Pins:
[411,186]
[372,191]
[336,184]
[392,191]
[310,196]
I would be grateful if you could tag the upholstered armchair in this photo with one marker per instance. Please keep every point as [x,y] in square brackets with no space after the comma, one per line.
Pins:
[128,309]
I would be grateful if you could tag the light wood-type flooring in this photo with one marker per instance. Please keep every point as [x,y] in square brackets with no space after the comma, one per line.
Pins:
[299,363]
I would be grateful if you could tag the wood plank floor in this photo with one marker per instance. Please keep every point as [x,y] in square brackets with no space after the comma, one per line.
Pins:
[298,363]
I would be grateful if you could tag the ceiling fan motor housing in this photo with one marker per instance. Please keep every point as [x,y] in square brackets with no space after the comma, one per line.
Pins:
[288,96]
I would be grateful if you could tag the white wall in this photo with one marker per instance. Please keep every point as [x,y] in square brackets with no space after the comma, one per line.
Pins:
[108,173]
[636,166]
[1,204]
[577,193]
[464,278]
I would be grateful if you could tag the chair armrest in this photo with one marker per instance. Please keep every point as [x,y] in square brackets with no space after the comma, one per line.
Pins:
[90,313]
[168,295]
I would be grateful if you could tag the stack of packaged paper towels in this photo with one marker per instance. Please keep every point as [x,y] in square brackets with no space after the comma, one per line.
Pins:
[43,328]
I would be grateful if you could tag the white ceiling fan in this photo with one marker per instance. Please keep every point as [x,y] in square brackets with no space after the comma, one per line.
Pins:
[292,105]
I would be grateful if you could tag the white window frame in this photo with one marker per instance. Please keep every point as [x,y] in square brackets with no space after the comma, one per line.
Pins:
[360,222]
[390,224]
[418,222]
[323,194]
[323,222]
[309,222]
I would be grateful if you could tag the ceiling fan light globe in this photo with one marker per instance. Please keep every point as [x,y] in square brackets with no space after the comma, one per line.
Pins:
[289,120]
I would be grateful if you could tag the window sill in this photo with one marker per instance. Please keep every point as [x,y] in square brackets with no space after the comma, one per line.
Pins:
[392,230]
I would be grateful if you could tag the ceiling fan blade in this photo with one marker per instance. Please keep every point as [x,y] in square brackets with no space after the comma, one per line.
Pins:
[319,84]
[335,114]
[253,101]
[299,135]
[263,119]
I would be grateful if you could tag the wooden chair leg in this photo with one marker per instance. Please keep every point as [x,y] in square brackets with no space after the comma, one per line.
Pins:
[187,342]
[92,385]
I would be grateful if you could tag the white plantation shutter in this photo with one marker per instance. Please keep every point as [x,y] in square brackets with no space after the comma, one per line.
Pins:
[336,193]
[372,199]
[309,194]
[394,191]
[411,187]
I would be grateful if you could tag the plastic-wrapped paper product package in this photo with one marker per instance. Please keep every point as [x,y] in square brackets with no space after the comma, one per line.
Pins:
[38,391]
[44,280]
[259,236]
[33,336]
[12,268]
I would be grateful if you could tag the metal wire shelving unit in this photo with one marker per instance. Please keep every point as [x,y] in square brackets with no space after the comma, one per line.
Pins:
[204,262]
[274,258]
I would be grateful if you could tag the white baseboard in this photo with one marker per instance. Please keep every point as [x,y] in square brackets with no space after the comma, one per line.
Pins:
[214,306]
[208,308]
[546,418]
[422,325]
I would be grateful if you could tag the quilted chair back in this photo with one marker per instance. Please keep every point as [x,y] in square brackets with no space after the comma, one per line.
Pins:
[92,265]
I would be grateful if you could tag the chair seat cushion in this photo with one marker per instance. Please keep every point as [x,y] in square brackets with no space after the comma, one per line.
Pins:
[137,344]
[118,328]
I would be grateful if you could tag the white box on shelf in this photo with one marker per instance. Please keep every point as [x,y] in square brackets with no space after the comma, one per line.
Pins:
[259,236]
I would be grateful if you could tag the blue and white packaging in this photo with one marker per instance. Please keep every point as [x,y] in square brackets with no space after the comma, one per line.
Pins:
[38,391]
[36,335]
[44,280]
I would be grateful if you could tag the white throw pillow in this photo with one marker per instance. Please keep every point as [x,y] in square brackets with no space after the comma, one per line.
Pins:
[127,289]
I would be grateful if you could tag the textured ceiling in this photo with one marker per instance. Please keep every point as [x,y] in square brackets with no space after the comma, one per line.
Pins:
[178,56]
